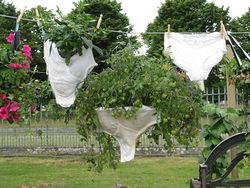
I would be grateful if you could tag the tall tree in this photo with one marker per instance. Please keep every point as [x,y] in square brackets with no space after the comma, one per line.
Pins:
[6,24]
[184,16]
[242,24]
[31,33]
[113,19]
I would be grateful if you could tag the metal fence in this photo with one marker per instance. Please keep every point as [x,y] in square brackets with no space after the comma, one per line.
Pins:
[44,130]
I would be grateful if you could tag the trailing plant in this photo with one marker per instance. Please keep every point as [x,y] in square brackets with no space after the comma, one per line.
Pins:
[113,19]
[71,33]
[135,81]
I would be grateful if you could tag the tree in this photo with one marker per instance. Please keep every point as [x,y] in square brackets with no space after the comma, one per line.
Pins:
[113,19]
[242,24]
[184,16]
[31,33]
[6,24]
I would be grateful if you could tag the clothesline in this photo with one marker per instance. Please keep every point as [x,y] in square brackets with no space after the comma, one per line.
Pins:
[129,33]
[162,32]
[14,17]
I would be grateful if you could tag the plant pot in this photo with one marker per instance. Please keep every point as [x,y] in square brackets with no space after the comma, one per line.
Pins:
[126,131]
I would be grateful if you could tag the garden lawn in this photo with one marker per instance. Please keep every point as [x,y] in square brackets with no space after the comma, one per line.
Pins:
[72,172]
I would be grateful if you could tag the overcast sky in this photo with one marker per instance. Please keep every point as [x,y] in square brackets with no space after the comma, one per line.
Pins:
[140,12]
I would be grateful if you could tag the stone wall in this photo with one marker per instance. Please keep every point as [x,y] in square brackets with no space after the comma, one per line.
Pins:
[140,151]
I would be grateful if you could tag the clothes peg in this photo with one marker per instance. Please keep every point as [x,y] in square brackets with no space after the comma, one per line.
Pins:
[38,18]
[20,16]
[223,31]
[16,40]
[99,21]
[168,31]
[35,69]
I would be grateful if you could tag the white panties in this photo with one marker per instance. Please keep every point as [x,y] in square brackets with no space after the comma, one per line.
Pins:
[196,54]
[126,131]
[66,79]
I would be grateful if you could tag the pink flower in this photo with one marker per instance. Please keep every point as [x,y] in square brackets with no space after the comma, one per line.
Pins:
[2,96]
[26,48]
[15,117]
[13,106]
[26,66]
[15,66]
[10,38]
[26,51]
[32,108]
[243,76]
[4,113]
[27,54]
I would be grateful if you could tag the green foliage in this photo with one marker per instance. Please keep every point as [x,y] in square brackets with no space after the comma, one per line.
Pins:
[113,19]
[223,124]
[135,81]
[14,68]
[7,24]
[244,73]
[30,32]
[242,24]
[10,79]
[71,33]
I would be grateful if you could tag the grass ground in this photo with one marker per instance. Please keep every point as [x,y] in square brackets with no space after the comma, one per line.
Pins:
[71,172]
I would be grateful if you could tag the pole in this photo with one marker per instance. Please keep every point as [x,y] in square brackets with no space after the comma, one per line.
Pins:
[231,98]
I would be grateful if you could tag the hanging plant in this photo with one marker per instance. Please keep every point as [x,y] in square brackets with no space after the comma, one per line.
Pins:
[135,81]
[71,33]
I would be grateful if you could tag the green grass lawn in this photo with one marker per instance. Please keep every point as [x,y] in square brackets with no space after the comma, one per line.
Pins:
[71,172]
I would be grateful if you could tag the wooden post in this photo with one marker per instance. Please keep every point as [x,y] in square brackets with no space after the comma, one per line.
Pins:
[231,103]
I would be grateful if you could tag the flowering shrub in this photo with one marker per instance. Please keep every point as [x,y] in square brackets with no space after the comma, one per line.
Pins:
[20,60]
[9,109]
[244,76]
[14,68]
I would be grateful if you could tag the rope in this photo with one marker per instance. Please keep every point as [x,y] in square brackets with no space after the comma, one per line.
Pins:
[14,17]
[162,33]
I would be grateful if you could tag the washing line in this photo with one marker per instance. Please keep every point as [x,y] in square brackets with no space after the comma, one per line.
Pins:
[129,33]
[14,17]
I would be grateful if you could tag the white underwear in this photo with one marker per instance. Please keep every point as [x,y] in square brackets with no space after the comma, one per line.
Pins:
[66,79]
[196,54]
[126,131]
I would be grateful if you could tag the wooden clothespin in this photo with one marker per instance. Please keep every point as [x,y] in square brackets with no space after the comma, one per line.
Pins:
[223,31]
[19,19]
[35,69]
[168,35]
[20,16]
[99,21]
[38,17]
[16,40]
